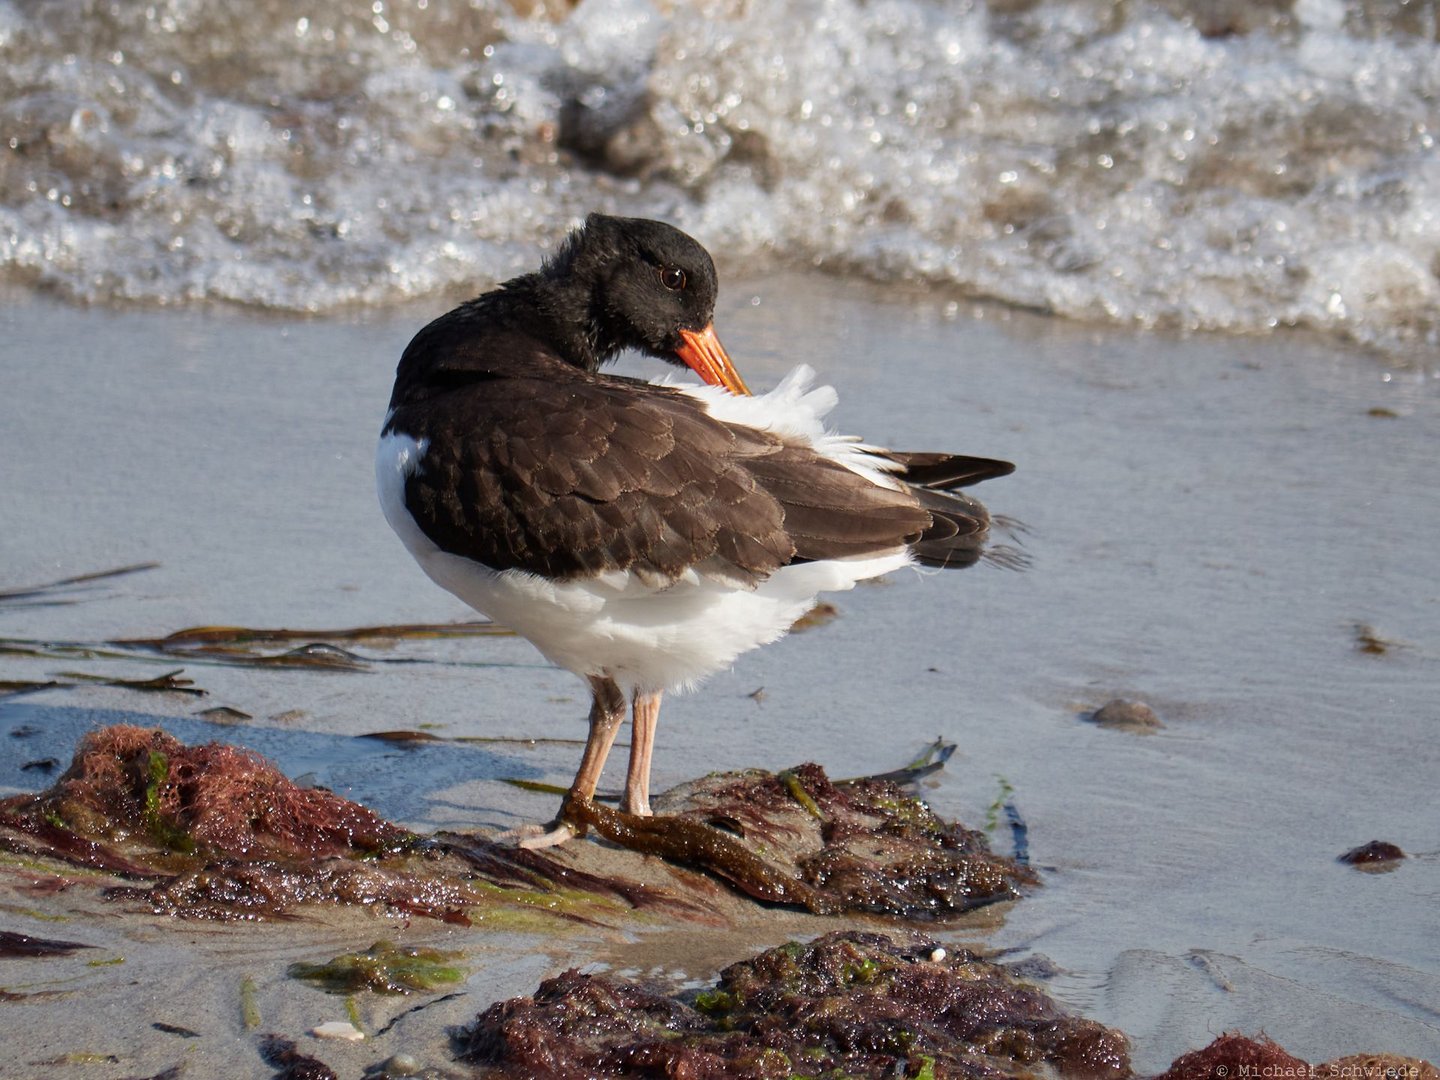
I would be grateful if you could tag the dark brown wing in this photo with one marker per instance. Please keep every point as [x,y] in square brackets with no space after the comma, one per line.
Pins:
[569,474]
[831,512]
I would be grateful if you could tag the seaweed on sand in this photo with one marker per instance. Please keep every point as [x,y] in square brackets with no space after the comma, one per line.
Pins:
[385,968]
[16,944]
[850,1004]
[68,590]
[214,799]
[171,682]
[235,646]
[222,637]
[796,838]
[282,1054]
[222,833]
[855,1005]
[1234,1055]
[315,649]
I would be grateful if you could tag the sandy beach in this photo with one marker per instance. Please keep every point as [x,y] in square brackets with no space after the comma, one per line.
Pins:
[1238,531]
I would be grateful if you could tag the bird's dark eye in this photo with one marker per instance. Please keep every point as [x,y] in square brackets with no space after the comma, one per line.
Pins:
[672,278]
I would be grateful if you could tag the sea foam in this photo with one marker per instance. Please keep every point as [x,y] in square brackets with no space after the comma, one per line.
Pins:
[1239,169]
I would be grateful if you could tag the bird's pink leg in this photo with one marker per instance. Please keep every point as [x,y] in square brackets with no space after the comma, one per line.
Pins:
[607,710]
[644,716]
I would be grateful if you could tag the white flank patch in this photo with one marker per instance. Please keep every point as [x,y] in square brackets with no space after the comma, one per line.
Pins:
[397,458]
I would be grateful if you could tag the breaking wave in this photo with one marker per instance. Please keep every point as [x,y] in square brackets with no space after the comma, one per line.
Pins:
[1232,166]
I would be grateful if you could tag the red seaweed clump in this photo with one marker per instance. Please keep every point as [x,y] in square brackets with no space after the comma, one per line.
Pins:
[219,832]
[861,1005]
[1236,1056]
[136,783]
[281,1053]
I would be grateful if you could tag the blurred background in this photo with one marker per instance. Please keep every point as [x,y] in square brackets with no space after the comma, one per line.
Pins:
[1217,164]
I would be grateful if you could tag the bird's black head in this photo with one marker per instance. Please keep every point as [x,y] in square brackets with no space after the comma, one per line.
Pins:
[645,285]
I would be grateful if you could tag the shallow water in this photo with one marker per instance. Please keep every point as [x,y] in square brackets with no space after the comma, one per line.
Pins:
[1221,165]
[1210,519]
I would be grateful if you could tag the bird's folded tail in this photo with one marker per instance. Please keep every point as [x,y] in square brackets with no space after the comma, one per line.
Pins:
[943,472]
[959,534]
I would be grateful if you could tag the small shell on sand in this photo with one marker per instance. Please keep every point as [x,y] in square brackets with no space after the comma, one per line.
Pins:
[338,1029]
[1122,714]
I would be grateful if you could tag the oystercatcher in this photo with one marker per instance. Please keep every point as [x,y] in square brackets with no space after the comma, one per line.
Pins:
[642,535]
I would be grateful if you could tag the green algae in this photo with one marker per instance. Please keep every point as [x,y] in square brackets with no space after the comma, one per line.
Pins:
[384,968]
[45,864]
[997,806]
[535,786]
[249,1007]
[35,913]
[167,835]
[159,768]
[715,1003]
[523,907]
[796,789]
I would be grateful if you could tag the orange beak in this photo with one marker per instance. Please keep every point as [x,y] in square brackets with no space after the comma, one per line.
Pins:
[704,355]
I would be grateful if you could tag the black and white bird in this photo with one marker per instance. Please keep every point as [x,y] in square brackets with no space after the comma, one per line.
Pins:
[642,535]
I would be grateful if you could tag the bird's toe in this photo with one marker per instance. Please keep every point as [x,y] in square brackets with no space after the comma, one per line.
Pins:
[536,837]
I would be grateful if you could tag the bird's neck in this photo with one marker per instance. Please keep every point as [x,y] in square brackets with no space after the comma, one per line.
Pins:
[560,311]
[486,337]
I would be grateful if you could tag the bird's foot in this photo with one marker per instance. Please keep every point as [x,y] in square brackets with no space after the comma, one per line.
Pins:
[568,824]
[539,837]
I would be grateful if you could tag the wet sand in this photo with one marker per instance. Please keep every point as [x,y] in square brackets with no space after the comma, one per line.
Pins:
[1211,520]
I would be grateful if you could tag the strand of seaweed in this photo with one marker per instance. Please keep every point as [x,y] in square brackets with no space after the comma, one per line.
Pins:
[240,646]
